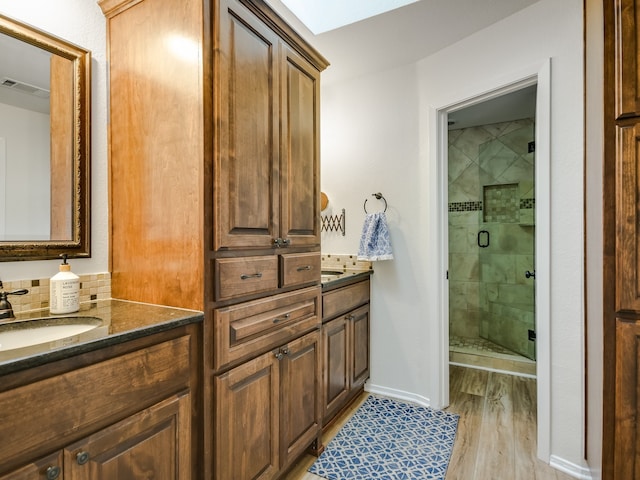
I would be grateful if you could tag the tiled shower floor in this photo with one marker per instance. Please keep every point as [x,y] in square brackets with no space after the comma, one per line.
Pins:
[481,353]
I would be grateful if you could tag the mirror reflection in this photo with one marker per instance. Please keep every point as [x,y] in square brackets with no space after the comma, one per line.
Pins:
[44,144]
[35,157]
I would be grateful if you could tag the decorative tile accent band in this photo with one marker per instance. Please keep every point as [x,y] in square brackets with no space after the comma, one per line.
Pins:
[465,206]
[92,287]
[526,203]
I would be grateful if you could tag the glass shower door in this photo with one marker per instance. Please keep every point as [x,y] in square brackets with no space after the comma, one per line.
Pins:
[507,276]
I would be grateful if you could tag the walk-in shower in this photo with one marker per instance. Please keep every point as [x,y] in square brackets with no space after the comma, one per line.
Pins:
[491,201]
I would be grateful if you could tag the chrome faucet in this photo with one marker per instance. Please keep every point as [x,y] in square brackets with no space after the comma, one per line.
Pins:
[6,310]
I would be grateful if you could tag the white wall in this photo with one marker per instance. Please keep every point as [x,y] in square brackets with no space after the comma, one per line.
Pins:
[80,22]
[375,137]
[594,208]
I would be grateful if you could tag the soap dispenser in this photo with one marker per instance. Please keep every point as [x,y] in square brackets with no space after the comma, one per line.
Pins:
[64,292]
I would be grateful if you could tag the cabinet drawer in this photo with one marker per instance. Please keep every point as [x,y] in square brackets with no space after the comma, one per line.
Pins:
[300,268]
[248,329]
[236,277]
[344,299]
[82,400]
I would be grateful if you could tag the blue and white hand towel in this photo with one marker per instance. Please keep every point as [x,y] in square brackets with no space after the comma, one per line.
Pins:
[375,243]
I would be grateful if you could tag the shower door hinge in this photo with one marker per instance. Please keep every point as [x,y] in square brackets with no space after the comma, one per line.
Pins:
[447,275]
[532,335]
[531,147]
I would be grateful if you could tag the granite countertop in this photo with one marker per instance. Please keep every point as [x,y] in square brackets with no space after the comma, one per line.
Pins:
[336,278]
[114,321]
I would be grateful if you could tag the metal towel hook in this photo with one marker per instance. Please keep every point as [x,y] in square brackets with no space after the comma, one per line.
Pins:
[378,196]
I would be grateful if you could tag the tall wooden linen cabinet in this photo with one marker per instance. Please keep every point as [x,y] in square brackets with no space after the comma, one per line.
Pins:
[621,432]
[215,206]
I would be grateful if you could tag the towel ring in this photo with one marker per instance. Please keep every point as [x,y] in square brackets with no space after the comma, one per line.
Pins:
[378,196]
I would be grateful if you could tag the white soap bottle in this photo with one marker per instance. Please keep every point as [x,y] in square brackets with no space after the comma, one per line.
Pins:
[64,290]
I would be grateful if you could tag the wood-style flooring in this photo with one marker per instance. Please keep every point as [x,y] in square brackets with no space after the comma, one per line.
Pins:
[497,430]
[496,438]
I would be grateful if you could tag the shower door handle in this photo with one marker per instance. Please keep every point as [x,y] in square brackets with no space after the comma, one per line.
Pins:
[529,274]
[483,239]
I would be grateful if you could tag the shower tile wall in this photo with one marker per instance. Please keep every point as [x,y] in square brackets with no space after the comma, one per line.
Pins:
[491,188]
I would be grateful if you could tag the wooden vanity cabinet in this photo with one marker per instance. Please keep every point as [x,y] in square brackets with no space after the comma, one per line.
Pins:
[345,339]
[126,411]
[214,182]
[267,188]
[268,410]
[621,237]
[46,468]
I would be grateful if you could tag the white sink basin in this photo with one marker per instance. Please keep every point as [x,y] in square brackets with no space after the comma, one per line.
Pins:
[56,331]
[330,274]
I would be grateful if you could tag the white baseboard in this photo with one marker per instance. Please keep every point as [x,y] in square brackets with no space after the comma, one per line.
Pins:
[397,394]
[576,471]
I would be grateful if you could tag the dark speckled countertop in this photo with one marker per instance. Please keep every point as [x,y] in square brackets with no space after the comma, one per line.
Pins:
[338,278]
[116,321]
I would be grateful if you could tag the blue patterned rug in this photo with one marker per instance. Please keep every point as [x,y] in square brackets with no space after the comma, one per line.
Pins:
[391,440]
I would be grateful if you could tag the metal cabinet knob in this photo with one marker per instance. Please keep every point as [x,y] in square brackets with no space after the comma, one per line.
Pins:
[82,458]
[53,472]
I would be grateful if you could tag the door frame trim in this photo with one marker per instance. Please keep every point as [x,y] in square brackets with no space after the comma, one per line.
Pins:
[539,75]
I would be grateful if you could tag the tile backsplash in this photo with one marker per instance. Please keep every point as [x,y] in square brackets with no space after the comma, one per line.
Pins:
[92,287]
[332,261]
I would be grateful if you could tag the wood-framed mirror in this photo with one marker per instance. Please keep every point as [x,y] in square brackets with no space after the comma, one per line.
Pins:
[45,145]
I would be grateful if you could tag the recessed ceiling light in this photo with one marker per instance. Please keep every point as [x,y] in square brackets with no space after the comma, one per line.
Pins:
[323,15]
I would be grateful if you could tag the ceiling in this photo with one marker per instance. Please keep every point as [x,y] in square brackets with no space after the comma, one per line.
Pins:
[401,36]
[511,106]
[406,35]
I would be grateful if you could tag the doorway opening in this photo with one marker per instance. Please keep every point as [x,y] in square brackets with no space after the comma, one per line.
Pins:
[491,233]
[539,77]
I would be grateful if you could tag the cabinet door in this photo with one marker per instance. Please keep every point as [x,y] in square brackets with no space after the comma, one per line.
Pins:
[335,341]
[48,468]
[155,443]
[246,418]
[300,402]
[628,219]
[359,319]
[300,152]
[246,123]
[627,13]
[627,395]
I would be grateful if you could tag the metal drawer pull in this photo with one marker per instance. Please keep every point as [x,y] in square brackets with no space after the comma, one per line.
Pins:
[244,276]
[306,267]
[286,316]
[53,472]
